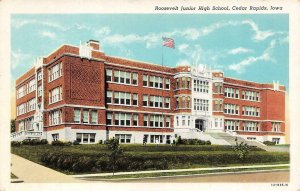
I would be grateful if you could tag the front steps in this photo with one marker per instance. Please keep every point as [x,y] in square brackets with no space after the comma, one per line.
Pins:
[22,135]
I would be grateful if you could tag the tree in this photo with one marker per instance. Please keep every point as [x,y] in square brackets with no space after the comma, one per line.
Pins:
[242,149]
[13,125]
[116,151]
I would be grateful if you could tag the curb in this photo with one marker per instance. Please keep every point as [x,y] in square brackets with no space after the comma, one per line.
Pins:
[187,175]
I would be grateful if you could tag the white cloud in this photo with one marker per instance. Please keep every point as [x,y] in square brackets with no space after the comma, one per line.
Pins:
[18,23]
[183,47]
[48,34]
[265,56]
[18,58]
[259,34]
[239,50]
[183,62]
[104,31]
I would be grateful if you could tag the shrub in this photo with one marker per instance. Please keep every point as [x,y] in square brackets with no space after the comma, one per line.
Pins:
[269,143]
[44,142]
[83,164]
[15,143]
[34,142]
[26,142]
[100,141]
[57,143]
[69,143]
[208,142]
[76,142]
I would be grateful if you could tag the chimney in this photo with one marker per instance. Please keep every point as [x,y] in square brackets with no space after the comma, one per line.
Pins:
[94,44]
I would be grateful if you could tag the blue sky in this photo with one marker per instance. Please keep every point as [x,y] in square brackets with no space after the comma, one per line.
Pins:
[251,47]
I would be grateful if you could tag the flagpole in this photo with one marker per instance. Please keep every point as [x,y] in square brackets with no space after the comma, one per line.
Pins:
[162,109]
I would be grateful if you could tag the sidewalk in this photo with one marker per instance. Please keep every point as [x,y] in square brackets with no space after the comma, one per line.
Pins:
[178,170]
[31,172]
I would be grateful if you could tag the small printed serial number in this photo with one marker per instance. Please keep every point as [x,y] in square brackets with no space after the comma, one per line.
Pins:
[279,184]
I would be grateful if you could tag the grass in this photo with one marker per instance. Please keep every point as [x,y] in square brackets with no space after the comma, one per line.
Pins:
[163,174]
[150,152]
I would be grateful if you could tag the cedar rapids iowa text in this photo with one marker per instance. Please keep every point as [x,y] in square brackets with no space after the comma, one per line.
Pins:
[217,8]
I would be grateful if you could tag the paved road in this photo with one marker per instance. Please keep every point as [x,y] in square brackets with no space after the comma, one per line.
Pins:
[31,172]
[277,176]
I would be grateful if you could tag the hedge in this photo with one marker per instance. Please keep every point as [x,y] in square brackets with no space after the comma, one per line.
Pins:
[152,161]
[269,143]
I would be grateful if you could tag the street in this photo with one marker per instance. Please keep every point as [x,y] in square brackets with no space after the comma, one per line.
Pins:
[272,177]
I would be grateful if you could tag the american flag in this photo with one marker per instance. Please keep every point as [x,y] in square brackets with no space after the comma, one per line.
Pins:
[169,42]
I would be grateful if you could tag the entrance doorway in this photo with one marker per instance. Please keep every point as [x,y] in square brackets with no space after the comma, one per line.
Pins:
[199,124]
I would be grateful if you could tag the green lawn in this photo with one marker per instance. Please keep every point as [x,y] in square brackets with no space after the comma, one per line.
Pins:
[94,158]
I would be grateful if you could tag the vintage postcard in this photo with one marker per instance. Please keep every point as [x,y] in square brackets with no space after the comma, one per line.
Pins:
[198,95]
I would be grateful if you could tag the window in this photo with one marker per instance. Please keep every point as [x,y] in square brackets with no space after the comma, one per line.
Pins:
[201,105]
[156,139]
[123,119]
[31,86]
[237,94]
[108,75]
[116,76]
[55,95]
[117,116]
[40,90]
[201,86]
[177,103]
[122,77]
[183,102]
[21,92]
[128,80]
[167,102]
[145,100]
[177,83]
[167,83]
[85,116]
[135,99]
[32,104]
[151,81]
[276,127]
[183,120]
[188,83]
[94,117]
[145,80]
[160,82]
[128,98]
[109,119]
[145,120]
[116,98]
[124,138]
[151,120]
[135,120]
[76,115]
[134,78]
[151,101]
[55,137]
[85,137]
[39,75]
[109,97]
[55,117]
[168,121]
[55,72]
[183,82]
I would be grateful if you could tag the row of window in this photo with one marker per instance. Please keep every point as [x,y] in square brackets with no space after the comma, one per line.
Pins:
[251,111]
[218,88]
[185,121]
[183,102]
[156,101]
[231,93]
[185,83]
[121,77]
[121,98]
[156,82]
[55,72]
[246,125]
[25,124]
[201,86]
[85,116]
[218,105]
[129,119]
[55,95]
[231,109]
[26,107]
[201,104]
[55,117]
[276,127]
[26,89]
[251,95]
